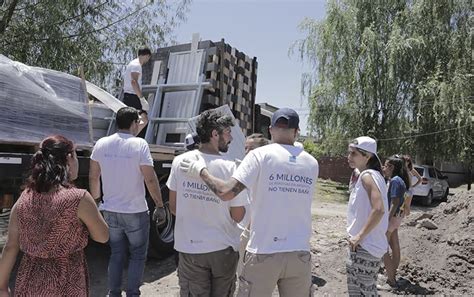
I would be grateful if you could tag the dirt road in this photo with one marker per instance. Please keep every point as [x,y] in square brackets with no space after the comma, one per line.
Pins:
[328,253]
[427,266]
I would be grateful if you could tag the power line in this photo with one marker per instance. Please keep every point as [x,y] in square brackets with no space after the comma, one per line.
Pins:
[329,108]
[106,26]
[423,134]
[418,105]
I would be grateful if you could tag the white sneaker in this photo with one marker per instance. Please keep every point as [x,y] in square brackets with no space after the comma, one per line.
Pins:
[381,278]
[387,287]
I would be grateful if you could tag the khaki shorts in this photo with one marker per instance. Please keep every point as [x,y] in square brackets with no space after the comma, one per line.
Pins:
[244,239]
[208,274]
[291,271]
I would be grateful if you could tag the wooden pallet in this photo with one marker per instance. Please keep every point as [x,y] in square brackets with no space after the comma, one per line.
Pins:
[233,77]
[162,153]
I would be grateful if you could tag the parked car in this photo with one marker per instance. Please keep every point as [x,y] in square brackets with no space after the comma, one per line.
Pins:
[434,185]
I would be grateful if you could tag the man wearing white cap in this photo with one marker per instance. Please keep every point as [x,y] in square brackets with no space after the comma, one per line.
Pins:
[281,179]
[367,218]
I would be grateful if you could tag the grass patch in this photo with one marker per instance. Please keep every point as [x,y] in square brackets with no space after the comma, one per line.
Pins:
[330,191]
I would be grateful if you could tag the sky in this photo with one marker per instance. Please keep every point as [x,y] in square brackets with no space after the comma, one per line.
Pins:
[265,29]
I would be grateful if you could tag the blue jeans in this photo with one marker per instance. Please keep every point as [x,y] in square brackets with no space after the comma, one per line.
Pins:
[128,231]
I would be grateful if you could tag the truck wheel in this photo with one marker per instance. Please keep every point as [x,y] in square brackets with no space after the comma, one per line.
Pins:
[444,198]
[428,199]
[162,237]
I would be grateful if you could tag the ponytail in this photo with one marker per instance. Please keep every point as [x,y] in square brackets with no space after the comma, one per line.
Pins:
[49,167]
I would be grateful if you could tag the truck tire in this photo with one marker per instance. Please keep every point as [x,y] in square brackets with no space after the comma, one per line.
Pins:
[428,199]
[162,237]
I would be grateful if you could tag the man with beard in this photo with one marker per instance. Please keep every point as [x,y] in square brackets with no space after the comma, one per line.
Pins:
[281,179]
[206,231]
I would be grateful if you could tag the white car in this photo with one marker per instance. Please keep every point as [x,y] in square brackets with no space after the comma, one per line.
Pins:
[433,185]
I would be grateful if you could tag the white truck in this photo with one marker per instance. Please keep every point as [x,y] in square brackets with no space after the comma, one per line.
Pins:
[179,82]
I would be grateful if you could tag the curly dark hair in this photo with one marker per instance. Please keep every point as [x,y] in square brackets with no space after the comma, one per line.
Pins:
[49,165]
[259,139]
[211,120]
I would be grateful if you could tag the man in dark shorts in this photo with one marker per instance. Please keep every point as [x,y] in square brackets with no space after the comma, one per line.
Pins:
[132,86]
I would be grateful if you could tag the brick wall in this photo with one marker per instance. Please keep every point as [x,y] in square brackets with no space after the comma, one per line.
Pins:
[334,168]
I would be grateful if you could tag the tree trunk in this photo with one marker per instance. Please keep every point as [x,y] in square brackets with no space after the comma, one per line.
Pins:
[8,16]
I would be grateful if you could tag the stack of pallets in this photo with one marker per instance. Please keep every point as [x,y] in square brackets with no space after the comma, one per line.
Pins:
[232,73]
[233,76]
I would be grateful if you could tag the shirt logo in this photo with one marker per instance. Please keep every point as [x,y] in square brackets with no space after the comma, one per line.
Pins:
[292,159]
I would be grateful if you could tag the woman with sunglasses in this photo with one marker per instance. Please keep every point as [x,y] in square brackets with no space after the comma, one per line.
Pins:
[396,172]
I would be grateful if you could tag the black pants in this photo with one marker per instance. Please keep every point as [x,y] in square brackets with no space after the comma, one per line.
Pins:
[132,100]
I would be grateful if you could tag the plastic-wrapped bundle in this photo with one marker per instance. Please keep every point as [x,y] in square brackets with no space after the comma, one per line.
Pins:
[37,102]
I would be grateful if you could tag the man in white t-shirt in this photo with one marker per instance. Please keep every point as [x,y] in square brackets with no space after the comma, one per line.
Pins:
[124,162]
[206,234]
[281,179]
[132,85]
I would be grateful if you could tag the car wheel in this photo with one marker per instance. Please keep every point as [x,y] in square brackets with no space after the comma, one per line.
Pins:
[444,198]
[428,199]
[162,237]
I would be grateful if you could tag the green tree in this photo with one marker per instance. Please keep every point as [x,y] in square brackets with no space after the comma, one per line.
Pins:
[399,71]
[101,35]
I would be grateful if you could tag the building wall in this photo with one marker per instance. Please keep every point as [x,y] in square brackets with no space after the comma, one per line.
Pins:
[457,173]
[335,169]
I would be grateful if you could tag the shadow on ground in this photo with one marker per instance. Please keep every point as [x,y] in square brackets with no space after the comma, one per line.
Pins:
[318,281]
[406,287]
[97,260]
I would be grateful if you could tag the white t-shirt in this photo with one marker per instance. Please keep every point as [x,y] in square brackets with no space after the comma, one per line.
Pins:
[281,180]
[358,212]
[203,222]
[120,156]
[133,66]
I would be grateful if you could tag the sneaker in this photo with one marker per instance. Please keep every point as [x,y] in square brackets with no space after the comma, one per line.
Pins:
[381,278]
[387,286]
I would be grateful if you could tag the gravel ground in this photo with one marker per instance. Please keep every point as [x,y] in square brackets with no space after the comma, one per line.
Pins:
[434,262]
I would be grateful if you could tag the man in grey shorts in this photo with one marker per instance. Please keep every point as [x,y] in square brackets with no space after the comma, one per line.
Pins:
[281,179]
[206,232]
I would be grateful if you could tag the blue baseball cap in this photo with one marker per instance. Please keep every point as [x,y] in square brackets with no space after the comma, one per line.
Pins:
[288,114]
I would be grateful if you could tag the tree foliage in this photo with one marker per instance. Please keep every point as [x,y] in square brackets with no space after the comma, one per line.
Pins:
[399,71]
[102,36]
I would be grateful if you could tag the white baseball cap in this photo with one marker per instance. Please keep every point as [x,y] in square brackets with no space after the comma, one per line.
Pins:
[367,144]
[191,140]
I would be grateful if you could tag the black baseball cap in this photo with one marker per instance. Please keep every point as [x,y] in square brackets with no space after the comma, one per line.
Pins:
[289,114]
